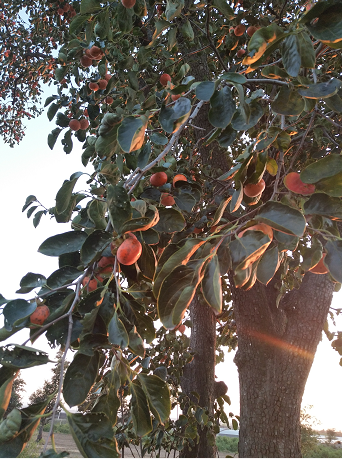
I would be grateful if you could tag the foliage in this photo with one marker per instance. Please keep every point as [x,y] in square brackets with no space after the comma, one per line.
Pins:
[276,111]
[309,438]
[322,450]
[62,428]
[227,444]
[17,394]
[32,449]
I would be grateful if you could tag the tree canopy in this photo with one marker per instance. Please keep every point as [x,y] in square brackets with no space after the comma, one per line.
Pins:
[214,131]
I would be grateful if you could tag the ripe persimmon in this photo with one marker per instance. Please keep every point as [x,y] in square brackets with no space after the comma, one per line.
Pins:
[175,97]
[40,315]
[293,183]
[167,199]
[253,189]
[84,124]
[109,100]
[74,125]
[94,52]
[251,30]
[239,30]
[89,284]
[86,61]
[178,177]
[129,251]
[93,86]
[164,78]
[320,268]
[102,84]
[128,3]
[106,261]
[158,179]
[107,76]
[241,52]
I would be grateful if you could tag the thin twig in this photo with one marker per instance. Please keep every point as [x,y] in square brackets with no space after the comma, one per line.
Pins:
[329,119]
[294,157]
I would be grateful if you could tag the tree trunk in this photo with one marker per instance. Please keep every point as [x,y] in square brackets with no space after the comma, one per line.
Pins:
[199,375]
[276,348]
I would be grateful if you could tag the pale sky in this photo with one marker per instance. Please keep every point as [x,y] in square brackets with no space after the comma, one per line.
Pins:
[32,168]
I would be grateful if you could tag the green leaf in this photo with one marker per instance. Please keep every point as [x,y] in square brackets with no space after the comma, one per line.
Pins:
[53,136]
[16,312]
[5,394]
[321,90]
[89,6]
[64,194]
[158,139]
[78,22]
[171,118]
[236,199]
[247,249]
[219,211]
[239,121]
[93,434]
[55,246]
[205,90]
[142,422]
[222,108]
[185,201]
[274,72]
[52,110]
[147,262]
[96,213]
[136,343]
[177,291]
[31,281]
[158,396]
[160,26]
[37,217]
[322,204]
[150,219]
[331,186]
[282,218]
[235,78]
[225,9]
[291,56]
[226,137]
[333,259]
[334,103]
[144,155]
[95,243]
[15,356]
[286,241]
[328,27]
[80,377]
[268,265]
[131,133]
[180,256]
[60,277]
[173,9]
[170,221]
[324,168]
[117,333]
[242,276]
[288,102]
[211,285]
[306,50]
[119,206]
[29,200]
[261,40]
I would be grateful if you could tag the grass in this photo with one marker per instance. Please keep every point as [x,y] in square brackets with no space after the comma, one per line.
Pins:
[323,450]
[58,428]
[227,444]
[32,449]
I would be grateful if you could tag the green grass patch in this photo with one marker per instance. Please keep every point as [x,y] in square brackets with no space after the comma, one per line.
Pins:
[58,428]
[324,451]
[32,449]
[227,444]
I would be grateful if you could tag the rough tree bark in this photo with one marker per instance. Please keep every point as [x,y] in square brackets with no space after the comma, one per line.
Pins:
[275,353]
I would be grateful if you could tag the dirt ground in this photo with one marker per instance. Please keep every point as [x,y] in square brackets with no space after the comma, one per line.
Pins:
[65,442]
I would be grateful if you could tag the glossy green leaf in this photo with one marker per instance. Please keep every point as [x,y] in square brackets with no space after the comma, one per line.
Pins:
[78,22]
[95,243]
[55,246]
[5,394]
[185,201]
[157,394]
[16,312]
[268,265]
[334,103]
[171,118]
[158,139]
[236,199]
[224,8]
[291,55]
[324,205]
[321,90]
[15,356]
[306,50]
[282,218]
[131,133]
[233,77]
[119,206]
[160,26]
[150,219]
[31,281]
[147,262]
[247,249]
[205,90]
[93,434]
[274,72]
[89,6]
[333,259]
[211,285]
[96,213]
[117,333]
[60,277]
[80,377]
[260,40]
[177,291]
[331,186]
[136,344]
[324,168]
[140,412]
[288,102]
[328,27]
[219,212]
[239,121]
[222,108]
[286,241]
[180,257]
[226,137]
[144,155]
[170,221]
[242,276]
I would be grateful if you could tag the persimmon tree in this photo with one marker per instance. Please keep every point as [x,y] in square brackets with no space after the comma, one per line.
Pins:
[163,90]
